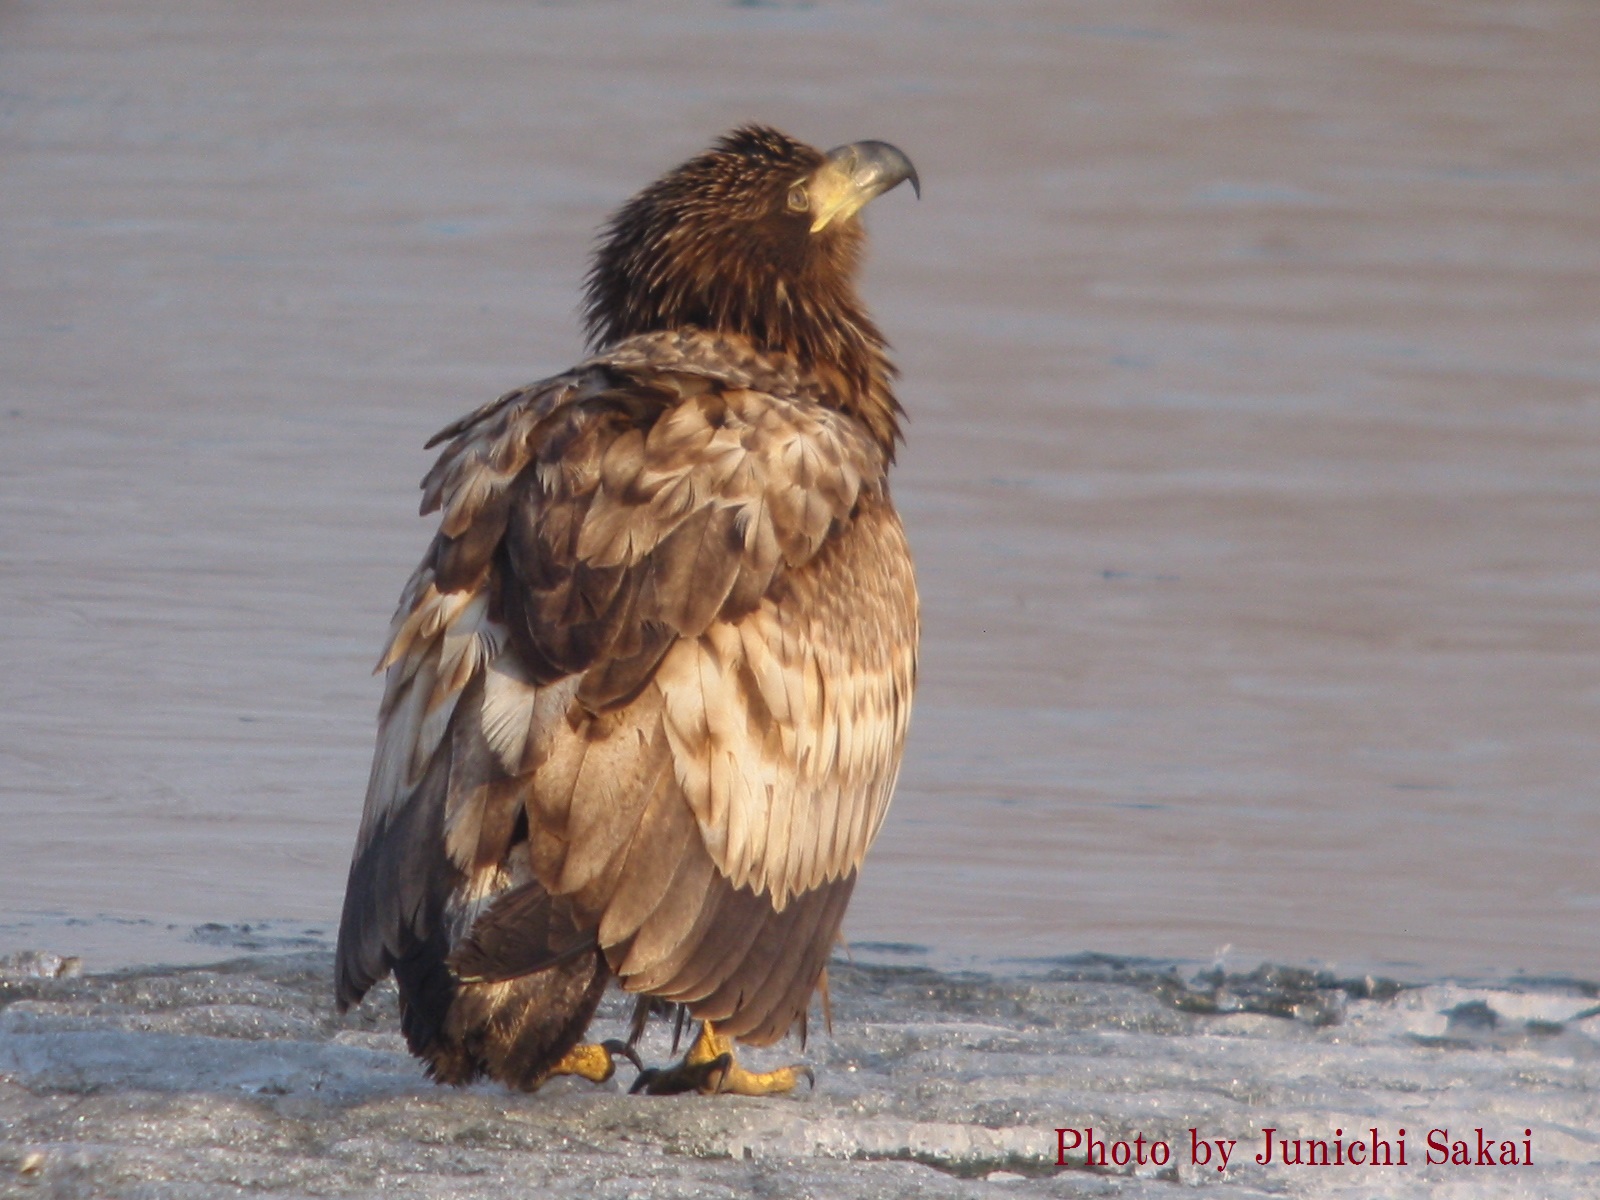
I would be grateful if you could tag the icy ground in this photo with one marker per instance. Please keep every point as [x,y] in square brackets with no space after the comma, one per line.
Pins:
[241,1079]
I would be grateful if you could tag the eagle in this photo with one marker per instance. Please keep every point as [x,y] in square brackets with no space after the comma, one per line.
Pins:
[646,695]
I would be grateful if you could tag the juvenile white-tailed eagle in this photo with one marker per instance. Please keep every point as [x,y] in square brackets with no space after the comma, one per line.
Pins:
[647,693]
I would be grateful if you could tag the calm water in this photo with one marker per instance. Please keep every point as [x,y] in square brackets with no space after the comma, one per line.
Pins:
[1253,355]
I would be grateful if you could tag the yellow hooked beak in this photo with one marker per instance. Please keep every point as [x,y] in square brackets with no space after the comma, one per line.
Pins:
[853,175]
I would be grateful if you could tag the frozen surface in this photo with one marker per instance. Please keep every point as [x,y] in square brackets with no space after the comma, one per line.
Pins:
[240,1078]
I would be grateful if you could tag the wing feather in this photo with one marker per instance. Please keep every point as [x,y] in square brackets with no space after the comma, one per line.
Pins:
[669,617]
[659,842]
[668,934]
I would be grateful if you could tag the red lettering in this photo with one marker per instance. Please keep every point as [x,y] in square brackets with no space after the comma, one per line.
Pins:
[1266,1151]
[1224,1149]
[1097,1152]
[1200,1148]
[1062,1147]
[1438,1140]
[1095,1145]
[1485,1151]
[1379,1145]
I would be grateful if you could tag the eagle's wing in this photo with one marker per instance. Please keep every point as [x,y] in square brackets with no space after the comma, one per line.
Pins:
[403,873]
[668,629]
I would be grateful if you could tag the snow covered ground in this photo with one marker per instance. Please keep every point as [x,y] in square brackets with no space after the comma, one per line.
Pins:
[240,1079]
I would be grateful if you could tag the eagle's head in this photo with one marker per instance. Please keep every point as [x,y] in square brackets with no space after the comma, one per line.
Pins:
[757,236]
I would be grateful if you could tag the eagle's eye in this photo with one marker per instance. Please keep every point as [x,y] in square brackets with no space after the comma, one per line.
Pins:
[798,200]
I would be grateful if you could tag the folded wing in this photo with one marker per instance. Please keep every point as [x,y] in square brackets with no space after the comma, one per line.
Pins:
[657,664]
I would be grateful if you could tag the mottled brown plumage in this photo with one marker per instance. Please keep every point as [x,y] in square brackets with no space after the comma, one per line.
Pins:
[647,693]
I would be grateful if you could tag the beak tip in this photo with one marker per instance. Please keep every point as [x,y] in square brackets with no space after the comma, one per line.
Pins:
[877,165]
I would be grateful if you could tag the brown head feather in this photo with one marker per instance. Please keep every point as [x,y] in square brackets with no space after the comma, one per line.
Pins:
[718,245]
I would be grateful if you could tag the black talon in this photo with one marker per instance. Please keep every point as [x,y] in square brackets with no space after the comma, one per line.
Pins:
[682,1078]
[620,1049]
[646,1076]
[719,1067]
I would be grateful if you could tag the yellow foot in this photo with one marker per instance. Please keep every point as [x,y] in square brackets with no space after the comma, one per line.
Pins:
[710,1068]
[594,1062]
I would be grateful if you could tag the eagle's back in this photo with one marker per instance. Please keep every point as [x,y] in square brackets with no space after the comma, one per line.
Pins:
[647,693]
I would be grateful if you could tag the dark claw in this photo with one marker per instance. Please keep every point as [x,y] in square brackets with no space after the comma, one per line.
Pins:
[622,1050]
[644,1079]
[719,1067]
[680,1079]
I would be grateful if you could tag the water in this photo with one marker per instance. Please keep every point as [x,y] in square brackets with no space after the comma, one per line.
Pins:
[1251,356]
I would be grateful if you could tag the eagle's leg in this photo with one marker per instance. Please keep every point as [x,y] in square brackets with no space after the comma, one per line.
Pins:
[595,1061]
[710,1068]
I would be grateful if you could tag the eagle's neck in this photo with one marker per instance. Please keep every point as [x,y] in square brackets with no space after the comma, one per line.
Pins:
[848,358]
[798,301]
[838,353]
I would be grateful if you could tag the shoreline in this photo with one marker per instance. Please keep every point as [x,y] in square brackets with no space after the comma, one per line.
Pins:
[99,944]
